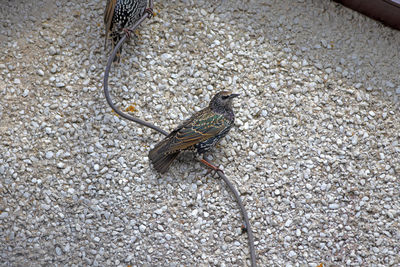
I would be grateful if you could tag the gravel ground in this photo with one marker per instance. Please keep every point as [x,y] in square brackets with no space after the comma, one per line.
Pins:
[314,153]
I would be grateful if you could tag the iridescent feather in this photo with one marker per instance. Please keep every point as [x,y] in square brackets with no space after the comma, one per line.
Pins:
[201,132]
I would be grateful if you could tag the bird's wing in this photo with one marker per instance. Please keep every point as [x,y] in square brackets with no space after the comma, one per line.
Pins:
[197,130]
[108,15]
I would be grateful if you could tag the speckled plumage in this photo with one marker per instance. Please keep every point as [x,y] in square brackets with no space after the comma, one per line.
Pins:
[120,15]
[200,133]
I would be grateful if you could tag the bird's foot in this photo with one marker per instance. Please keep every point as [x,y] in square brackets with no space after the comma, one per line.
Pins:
[150,12]
[128,32]
[213,168]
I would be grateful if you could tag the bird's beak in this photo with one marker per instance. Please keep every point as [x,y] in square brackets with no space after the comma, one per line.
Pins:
[233,95]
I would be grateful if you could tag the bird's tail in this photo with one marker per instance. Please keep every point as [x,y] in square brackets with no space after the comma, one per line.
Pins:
[160,157]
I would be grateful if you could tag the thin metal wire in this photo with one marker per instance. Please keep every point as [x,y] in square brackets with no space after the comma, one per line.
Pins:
[107,72]
[158,129]
[244,214]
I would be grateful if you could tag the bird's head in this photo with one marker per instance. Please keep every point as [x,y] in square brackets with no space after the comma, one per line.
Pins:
[222,99]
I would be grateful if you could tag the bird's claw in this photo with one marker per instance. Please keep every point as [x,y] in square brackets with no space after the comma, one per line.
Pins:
[128,32]
[150,12]
[216,170]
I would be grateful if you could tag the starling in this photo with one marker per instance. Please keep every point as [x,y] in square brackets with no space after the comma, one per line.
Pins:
[200,132]
[119,16]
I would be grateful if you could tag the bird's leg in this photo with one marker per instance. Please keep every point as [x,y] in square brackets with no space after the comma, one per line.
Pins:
[212,167]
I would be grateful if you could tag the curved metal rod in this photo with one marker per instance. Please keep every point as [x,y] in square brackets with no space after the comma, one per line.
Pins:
[158,129]
[107,72]
[247,226]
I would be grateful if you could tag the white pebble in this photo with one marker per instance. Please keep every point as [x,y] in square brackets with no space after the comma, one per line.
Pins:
[333,206]
[49,154]
[354,140]
[60,165]
[165,56]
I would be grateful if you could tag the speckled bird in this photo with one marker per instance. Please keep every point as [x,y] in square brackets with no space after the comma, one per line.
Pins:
[200,132]
[119,16]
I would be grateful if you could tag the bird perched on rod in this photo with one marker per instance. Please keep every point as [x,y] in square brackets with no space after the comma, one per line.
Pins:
[200,132]
[119,15]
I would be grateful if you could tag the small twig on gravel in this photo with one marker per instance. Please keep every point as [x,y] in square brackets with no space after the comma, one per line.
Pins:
[247,226]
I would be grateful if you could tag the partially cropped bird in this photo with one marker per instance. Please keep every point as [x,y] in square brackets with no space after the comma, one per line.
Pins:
[200,132]
[119,15]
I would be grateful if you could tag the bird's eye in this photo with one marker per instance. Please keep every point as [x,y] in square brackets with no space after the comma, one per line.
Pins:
[224,96]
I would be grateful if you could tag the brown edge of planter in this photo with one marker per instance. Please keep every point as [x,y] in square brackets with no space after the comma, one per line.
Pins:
[386,11]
